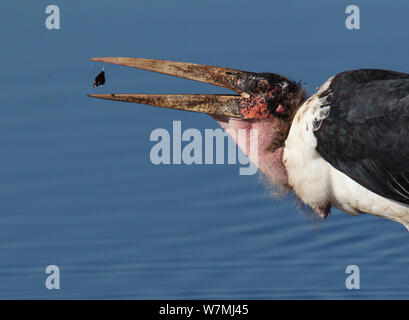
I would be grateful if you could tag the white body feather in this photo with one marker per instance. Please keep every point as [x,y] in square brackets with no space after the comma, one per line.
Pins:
[317,183]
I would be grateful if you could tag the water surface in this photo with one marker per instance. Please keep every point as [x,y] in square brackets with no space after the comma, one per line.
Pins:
[78,190]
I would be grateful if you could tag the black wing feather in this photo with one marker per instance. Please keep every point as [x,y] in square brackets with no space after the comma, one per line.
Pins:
[366,134]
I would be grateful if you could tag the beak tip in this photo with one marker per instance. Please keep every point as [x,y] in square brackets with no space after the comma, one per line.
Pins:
[94,95]
[113,60]
[100,59]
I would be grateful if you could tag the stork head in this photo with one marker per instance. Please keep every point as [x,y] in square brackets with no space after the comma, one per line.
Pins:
[263,101]
[268,95]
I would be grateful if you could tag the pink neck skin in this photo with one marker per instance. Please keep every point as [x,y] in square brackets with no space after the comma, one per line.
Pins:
[270,160]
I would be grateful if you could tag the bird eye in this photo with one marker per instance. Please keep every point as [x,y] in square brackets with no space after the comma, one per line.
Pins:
[262,86]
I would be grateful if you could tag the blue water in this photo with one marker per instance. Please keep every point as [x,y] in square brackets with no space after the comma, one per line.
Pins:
[78,190]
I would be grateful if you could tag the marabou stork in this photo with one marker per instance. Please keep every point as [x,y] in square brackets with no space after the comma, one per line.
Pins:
[346,146]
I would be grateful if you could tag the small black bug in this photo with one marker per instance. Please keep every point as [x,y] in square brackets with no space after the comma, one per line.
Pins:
[99,79]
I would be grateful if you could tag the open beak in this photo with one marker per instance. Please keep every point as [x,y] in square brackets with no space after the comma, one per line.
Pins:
[214,104]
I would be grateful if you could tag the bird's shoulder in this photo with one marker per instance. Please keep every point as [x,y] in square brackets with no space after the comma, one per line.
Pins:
[362,94]
[366,132]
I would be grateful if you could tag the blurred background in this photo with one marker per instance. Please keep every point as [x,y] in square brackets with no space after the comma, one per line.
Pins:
[78,190]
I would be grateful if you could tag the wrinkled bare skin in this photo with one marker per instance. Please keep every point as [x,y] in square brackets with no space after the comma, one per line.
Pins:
[271,137]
